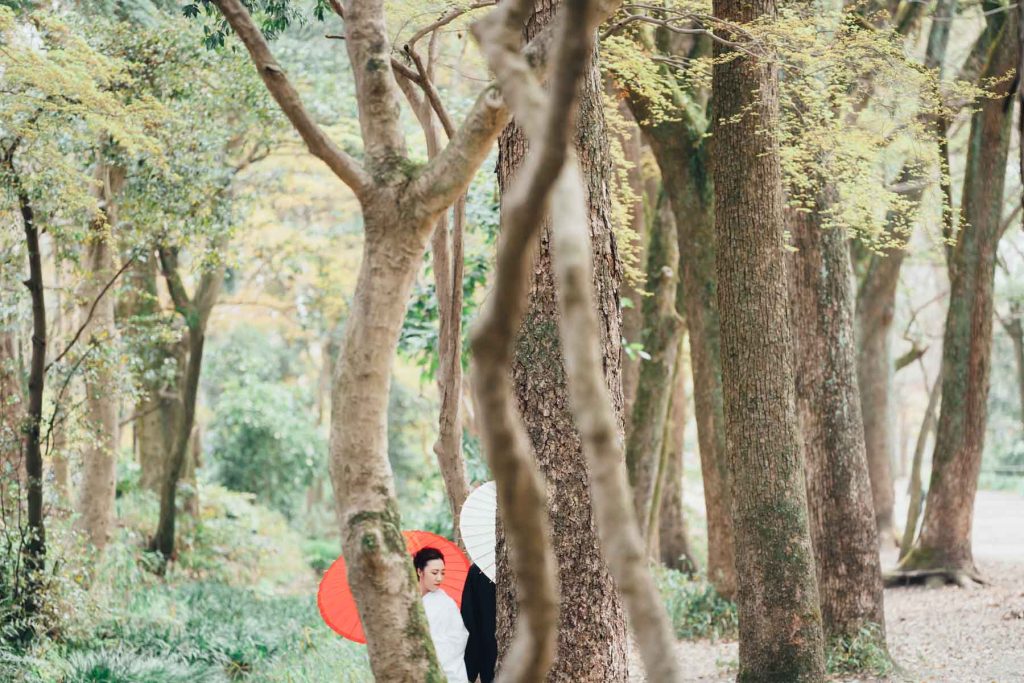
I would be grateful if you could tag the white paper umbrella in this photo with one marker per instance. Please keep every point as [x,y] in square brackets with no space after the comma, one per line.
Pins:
[477,526]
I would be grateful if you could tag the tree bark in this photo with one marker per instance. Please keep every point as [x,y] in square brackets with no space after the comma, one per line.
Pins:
[34,548]
[632,318]
[1015,330]
[780,620]
[196,313]
[673,537]
[592,630]
[842,517]
[660,335]
[945,540]
[916,492]
[680,149]
[99,459]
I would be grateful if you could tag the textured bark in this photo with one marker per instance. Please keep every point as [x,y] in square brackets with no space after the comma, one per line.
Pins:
[660,337]
[99,459]
[916,486]
[592,630]
[839,498]
[673,537]
[681,152]
[780,621]
[945,541]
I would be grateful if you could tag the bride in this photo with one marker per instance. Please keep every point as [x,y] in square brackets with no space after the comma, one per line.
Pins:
[446,627]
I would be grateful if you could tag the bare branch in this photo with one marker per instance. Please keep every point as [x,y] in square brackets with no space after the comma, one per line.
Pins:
[431,92]
[92,311]
[321,146]
[447,18]
[169,267]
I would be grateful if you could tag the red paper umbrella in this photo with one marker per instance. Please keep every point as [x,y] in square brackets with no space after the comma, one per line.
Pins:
[338,607]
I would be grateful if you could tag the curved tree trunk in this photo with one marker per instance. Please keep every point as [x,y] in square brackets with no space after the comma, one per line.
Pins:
[780,621]
[838,488]
[661,331]
[371,530]
[592,642]
[673,537]
[99,460]
[945,540]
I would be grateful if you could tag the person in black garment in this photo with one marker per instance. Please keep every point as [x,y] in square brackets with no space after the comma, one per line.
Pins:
[479,614]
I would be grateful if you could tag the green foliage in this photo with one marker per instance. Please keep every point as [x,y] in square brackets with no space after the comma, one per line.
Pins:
[264,437]
[864,653]
[695,608]
[419,337]
[421,495]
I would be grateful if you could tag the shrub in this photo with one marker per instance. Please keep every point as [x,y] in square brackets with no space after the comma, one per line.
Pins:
[695,607]
[864,653]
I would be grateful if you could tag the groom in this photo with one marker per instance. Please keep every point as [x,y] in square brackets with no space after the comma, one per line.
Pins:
[479,616]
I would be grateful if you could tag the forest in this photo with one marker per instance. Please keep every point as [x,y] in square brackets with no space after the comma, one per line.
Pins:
[714,308]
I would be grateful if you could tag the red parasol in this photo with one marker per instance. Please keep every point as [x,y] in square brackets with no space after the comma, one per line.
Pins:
[338,607]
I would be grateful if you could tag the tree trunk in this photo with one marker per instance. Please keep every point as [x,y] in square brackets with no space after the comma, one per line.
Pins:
[945,541]
[632,319]
[34,548]
[842,518]
[682,155]
[99,460]
[11,413]
[1015,330]
[661,332]
[378,565]
[780,621]
[916,492]
[673,538]
[876,304]
[196,313]
[592,643]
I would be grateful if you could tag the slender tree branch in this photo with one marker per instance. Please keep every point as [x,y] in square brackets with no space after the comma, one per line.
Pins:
[92,310]
[447,18]
[318,143]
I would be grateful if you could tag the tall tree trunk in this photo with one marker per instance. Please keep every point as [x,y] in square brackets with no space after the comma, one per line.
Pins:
[592,641]
[632,318]
[876,302]
[371,530]
[673,538]
[196,312]
[1015,330]
[945,540]
[682,155]
[839,498]
[916,487]
[11,413]
[780,620]
[99,460]
[661,332]
[34,548]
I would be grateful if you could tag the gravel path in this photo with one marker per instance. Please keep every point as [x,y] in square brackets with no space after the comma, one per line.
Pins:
[936,635]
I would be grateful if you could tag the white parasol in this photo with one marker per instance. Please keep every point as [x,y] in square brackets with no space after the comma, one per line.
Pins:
[477,526]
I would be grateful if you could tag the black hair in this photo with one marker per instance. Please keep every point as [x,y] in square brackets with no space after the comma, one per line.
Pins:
[425,555]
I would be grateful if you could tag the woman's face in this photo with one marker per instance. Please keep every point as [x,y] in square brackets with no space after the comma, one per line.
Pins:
[431,576]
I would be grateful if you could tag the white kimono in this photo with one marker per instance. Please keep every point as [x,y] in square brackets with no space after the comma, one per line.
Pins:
[448,633]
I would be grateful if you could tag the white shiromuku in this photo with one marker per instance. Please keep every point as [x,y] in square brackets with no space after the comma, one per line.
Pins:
[448,633]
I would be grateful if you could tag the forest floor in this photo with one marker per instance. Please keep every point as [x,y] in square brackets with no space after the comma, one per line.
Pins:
[936,635]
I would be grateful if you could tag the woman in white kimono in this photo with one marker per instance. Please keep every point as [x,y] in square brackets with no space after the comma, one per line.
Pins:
[446,628]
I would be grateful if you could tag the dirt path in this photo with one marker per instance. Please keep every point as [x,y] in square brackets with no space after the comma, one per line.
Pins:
[937,635]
